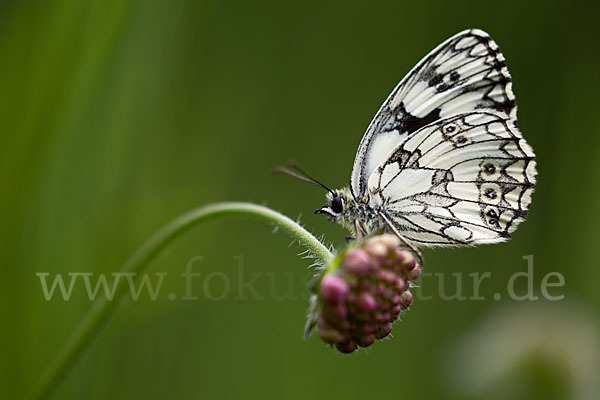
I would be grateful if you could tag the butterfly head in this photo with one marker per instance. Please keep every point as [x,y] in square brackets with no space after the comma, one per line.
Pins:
[338,202]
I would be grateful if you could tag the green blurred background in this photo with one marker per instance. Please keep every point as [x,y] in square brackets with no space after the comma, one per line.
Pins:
[116,116]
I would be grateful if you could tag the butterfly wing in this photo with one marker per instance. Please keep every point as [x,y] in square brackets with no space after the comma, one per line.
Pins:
[465,179]
[465,73]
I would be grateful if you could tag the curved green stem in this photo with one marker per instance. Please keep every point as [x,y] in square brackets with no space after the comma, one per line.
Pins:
[102,309]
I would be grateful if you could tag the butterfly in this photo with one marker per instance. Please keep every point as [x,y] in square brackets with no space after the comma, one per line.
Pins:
[442,163]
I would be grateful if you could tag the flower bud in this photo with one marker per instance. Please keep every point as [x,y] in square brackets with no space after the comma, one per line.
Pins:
[357,261]
[334,289]
[361,296]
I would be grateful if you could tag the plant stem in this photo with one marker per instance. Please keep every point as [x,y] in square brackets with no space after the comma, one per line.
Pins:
[102,309]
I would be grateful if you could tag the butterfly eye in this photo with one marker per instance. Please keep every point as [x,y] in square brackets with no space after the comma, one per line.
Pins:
[337,204]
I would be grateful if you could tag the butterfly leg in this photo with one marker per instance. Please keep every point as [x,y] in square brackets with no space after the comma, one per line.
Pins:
[402,238]
[359,232]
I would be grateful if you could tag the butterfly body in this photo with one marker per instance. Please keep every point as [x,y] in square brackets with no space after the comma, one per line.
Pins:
[442,162]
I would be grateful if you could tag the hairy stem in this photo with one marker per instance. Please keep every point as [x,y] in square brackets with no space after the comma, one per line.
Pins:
[102,309]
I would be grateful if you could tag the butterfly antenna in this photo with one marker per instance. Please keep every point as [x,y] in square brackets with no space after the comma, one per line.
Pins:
[300,173]
[295,165]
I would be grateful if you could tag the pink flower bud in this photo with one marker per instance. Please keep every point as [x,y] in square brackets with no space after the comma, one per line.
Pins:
[365,293]
[408,261]
[414,273]
[376,249]
[334,289]
[384,330]
[346,347]
[366,341]
[357,261]
[367,302]
[407,299]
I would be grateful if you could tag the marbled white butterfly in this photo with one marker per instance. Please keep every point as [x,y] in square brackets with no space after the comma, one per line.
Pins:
[442,163]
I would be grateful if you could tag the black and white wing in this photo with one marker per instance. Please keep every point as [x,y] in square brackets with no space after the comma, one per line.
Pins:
[462,180]
[465,73]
